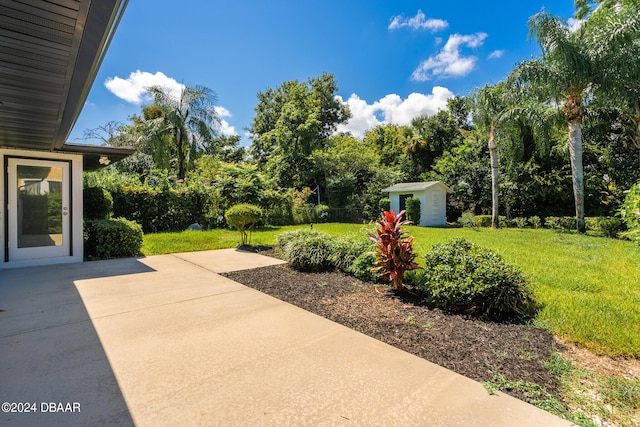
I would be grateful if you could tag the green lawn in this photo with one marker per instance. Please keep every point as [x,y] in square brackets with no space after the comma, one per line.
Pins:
[589,286]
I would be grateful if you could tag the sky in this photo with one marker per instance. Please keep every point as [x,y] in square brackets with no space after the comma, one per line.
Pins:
[393,60]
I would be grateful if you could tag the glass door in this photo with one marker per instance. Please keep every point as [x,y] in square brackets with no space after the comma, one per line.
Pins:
[38,209]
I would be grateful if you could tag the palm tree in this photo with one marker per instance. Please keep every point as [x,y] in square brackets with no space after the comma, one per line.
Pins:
[490,110]
[564,75]
[189,118]
[614,36]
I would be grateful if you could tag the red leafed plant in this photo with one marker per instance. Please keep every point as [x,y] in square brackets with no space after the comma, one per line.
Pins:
[394,254]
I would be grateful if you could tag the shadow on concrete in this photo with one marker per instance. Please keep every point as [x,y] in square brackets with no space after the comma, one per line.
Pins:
[51,358]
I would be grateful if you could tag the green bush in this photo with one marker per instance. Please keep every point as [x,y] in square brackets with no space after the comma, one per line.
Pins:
[520,222]
[320,213]
[484,221]
[610,226]
[111,238]
[535,221]
[413,210]
[362,268]
[467,220]
[630,212]
[562,223]
[308,250]
[345,251]
[463,276]
[243,217]
[97,203]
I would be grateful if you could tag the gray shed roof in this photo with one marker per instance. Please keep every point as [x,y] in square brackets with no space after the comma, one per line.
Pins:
[414,186]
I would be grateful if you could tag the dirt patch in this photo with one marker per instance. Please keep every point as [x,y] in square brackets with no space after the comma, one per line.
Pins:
[475,348]
[603,365]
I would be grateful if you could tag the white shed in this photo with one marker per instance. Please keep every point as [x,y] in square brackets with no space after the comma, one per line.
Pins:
[432,196]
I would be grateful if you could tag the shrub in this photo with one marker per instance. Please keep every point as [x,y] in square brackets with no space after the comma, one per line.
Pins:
[345,251]
[112,238]
[463,276]
[320,213]
[308,250]
[535,221]
[467,220]
[363,268]
[630,212]
[243,217]
[97,203]
[520,222]
[484,221]
[610,226]
[562,223]
[413,210]
[393,248]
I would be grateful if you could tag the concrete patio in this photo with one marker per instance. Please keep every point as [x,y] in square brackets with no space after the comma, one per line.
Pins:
[166,340]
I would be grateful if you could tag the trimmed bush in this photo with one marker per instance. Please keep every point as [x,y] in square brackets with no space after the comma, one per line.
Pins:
[97,203]
[535,221]
[520,222]
[413,210]
[484,221]
[308,250]
[610,226]
[562,223]
[363,268]
[463,276]
[467,220]
[243,217]
[111,238]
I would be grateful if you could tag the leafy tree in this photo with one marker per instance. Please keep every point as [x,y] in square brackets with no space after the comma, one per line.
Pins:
[243,217]
[188,121]
[291,122]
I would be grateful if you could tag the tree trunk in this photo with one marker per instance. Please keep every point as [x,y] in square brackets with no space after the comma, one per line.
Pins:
[181,160]
[575,152]
[493,155]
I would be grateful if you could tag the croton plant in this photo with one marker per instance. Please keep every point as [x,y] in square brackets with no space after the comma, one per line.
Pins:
[394,252]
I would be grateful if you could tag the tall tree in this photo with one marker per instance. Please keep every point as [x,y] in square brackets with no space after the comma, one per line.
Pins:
[490,110]
[614,37]
[291,122]
[564,74]
[188,119]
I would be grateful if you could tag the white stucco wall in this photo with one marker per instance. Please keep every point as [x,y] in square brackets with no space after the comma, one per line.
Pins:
[433,205]
[76,207]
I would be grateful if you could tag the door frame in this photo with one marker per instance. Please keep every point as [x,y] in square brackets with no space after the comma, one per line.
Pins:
[68,240]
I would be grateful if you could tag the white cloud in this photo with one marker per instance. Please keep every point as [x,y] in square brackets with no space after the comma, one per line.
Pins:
[134,88]
[392,109]
[418,22]
[496,54]
[224,127]
[450,62]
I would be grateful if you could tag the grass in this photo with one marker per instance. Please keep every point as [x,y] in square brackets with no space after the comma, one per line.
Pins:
[594,399]
[589,286]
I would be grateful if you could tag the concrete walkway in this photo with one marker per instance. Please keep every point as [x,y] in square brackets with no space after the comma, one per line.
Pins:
[166,341]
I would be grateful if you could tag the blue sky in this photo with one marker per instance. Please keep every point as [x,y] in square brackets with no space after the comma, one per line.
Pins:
[393,60]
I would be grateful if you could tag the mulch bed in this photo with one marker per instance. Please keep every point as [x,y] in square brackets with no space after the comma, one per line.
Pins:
[478,349]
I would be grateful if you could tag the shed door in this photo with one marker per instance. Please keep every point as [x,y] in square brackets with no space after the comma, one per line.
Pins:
[38,209]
